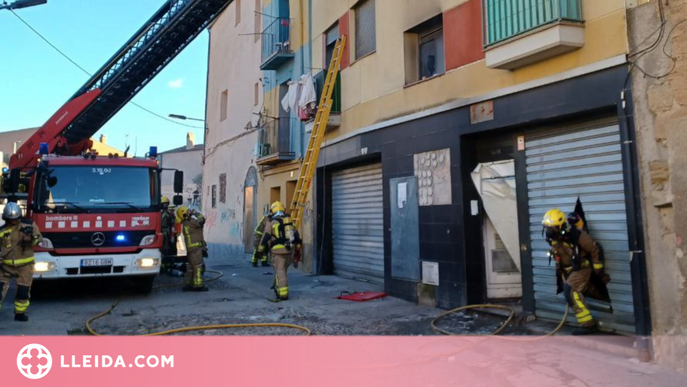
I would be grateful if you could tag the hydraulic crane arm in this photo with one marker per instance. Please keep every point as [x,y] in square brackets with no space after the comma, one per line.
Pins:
[161,39]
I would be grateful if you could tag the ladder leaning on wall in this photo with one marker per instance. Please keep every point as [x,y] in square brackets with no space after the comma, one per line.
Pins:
[309,165]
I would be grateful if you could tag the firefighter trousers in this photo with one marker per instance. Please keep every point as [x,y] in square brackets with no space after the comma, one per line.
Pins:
[577,285]
[24,279]
[281,263]
[194,268]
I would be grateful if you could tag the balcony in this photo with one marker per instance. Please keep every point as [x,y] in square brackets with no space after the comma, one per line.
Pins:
[276,48]
[335,116]
[518,33]
[274,143]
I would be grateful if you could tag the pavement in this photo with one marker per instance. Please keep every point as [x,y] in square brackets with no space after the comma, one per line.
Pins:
[242,295]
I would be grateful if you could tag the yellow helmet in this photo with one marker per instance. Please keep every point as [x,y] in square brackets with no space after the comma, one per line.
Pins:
[164,200]
[554,218]
[276,207]
[181,213]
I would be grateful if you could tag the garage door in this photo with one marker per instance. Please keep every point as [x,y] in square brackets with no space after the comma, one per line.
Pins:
[357,224]
[586,162]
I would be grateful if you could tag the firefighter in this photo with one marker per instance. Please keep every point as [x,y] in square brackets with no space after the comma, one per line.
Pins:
[168,230]
[192,228]
[283,242]
[257,238]
[18,237]
[578,259]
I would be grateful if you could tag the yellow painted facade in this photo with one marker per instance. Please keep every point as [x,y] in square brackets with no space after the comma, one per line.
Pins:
[374,87]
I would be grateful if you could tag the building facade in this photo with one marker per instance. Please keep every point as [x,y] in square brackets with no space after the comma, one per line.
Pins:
[462,123]
[234,104]
[659,92]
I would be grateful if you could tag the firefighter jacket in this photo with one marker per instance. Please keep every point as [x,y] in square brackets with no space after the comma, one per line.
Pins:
[280,236]
[580,244]
[258,232]
[167,222]
[14,250]
[193,232]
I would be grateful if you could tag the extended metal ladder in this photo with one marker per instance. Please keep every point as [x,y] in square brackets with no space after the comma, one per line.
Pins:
[309,165]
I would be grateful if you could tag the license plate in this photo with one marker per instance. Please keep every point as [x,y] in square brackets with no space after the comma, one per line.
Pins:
[96,262]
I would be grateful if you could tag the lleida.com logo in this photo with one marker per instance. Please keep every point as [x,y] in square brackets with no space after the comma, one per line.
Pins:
[34,361]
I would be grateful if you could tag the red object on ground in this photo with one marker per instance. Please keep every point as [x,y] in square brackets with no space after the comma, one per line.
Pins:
[362,297]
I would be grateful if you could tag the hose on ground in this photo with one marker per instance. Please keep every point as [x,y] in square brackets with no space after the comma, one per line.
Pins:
[505,323]
[195,328]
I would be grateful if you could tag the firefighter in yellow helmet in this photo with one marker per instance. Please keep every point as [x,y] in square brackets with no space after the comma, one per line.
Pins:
[282,240]
[18,237]
[578,259]
[192,223]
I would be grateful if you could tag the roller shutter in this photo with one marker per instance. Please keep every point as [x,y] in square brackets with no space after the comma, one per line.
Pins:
[583,161]
[357,224]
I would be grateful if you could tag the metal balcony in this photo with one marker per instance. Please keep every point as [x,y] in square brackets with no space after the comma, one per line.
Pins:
[276,48]
[505,19]
[274,142]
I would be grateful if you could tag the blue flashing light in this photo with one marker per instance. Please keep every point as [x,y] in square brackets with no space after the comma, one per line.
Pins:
[5,170]
[153,152]
[120,238]
[44,150]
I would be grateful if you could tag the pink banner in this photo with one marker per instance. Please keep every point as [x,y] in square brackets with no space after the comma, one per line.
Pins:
[314,361]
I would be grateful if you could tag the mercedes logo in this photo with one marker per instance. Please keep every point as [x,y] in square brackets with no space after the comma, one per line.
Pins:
[98,239]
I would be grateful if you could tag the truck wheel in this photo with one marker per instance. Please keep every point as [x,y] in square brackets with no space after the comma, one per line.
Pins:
[144,284]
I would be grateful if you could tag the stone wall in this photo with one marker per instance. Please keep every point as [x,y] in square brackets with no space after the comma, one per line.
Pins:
[659,86]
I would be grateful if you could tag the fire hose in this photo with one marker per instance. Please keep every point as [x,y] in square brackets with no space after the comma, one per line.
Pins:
[93,332]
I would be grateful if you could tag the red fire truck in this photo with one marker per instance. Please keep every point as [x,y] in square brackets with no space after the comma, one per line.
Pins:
[100,214]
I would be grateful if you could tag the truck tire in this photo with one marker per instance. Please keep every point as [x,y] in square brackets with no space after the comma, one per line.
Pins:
[144,284]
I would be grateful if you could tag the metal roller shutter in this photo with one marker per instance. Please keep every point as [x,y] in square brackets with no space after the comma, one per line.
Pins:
[561,165]
[357,224]
[365,28]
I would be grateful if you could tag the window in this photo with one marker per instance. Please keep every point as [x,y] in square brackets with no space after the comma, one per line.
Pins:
[79,189]
[238,11]
[365,29]
[223,188]
[424,50]
[257,18]
[432,60]
[223,105]
[214,196]
[331,36]
[256,94]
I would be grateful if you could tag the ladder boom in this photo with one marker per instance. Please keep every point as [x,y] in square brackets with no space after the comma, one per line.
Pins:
[171,29]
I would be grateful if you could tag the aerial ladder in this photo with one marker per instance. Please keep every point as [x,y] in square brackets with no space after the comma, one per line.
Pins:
[171,29]
[309,164]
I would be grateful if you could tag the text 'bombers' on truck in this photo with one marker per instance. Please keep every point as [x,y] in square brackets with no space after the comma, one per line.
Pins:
[100,214]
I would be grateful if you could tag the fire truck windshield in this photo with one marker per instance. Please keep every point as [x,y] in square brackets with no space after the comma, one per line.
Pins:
[98,189]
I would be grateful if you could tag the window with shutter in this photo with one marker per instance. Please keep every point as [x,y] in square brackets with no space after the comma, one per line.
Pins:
[365,29]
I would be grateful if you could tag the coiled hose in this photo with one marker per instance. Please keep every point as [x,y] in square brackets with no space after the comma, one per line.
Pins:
[195,328]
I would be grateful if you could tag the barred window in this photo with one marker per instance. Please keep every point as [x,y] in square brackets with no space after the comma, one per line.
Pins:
[214,196]
[223,188]
[365,29]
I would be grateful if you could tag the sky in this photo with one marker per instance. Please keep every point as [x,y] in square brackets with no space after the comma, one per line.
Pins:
[35,80]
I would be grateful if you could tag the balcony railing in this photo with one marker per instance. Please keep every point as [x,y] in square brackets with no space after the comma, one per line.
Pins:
[336,93]
[274,143]
[276,48]
[504,19]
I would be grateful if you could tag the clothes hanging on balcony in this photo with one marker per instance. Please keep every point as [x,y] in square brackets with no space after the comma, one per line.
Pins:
[290,101]
[308,94]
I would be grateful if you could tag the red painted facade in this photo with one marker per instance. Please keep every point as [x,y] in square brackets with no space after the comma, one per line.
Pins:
[345,29]
[463,35]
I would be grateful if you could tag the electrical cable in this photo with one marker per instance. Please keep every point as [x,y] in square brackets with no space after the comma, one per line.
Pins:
[93,332]
[89,74]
